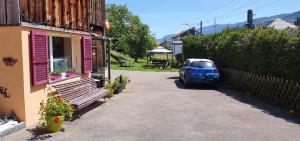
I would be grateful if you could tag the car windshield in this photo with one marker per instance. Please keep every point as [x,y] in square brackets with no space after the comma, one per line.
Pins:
[203,64]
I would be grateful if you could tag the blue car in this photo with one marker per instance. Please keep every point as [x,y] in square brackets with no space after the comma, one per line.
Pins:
[199,71]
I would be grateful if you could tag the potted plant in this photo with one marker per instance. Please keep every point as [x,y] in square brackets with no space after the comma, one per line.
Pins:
[55,75]
[120,83]
[71,72]
[54,112]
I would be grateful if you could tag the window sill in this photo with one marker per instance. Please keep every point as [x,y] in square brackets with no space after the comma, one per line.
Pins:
[64,79]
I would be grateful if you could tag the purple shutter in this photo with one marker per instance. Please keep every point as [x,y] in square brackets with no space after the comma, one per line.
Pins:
[39,58]
[86,47]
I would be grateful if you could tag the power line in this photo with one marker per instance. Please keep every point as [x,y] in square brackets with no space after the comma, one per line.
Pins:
[216,9]
[259,7]
[233,11]
[267,4]
[241,7]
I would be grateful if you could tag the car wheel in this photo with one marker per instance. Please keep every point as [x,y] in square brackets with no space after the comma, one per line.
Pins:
[215,85]
[180,79]
[186,84]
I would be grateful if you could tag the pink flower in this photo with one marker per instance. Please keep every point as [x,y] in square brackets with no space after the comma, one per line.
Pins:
[129,81]
[56,119]
[58,98]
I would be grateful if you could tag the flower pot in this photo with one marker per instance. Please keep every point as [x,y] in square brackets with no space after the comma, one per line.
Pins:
[55,77]
[70,74]
[119,89]
[54,123]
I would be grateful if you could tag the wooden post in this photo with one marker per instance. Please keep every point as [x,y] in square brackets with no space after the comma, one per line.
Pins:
[108,60]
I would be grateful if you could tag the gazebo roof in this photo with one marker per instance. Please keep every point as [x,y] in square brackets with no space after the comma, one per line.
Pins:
[160,50]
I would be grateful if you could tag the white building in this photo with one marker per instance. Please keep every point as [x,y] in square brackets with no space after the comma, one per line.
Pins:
[278,24]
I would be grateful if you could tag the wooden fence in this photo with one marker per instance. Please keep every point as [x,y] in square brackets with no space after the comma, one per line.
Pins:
[278,91]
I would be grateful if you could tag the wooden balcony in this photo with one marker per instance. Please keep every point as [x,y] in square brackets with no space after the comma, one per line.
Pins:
[68,14]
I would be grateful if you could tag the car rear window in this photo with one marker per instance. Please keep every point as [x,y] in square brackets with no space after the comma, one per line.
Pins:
[203,64]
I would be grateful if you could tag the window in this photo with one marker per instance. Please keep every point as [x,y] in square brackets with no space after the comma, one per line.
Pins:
[186,63]
[60,54]
[203,64]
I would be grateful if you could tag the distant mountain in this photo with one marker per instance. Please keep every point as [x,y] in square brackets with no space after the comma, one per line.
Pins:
[168,37]
[220,27]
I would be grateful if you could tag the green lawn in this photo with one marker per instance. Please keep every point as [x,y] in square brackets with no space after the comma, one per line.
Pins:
[139,67]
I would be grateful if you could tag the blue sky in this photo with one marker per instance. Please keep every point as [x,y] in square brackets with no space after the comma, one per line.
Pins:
[169,16]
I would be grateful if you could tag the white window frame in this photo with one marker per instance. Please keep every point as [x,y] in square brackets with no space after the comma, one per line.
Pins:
[51,51]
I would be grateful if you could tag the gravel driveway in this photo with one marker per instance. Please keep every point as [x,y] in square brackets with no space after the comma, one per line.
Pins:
[155,107]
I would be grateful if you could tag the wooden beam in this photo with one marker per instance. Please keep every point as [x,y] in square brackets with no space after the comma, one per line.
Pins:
[2,12]
[84,15]
[39,11]
[13,12]
[66,14]
[57,13]
[79,14]
[89,12]
[48,12]
[73,13]
[24,10]
[32,11]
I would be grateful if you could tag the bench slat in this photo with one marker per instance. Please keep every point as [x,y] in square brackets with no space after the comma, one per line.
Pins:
[81,93]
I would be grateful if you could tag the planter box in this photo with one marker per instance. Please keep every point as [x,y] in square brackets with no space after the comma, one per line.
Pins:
[119,89]
[55,77]
[70,74]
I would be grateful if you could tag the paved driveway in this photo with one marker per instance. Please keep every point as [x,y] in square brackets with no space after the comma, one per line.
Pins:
[155,107]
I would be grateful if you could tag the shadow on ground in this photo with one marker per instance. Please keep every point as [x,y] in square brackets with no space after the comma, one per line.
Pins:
[87,109]
[180,85]
[255,103]
[38,134]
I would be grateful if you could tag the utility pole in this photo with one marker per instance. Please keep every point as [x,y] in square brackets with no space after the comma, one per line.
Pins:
[250,19]
[201,27]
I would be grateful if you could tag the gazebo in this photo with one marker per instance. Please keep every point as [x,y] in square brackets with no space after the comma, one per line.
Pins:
[159,50]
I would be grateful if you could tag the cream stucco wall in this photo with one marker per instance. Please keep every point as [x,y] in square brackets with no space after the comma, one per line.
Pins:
[11,77]
[26,98]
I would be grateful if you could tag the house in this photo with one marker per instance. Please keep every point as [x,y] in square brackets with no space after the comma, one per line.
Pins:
[297,22]
[278,24]
[38,37]
[181,35]
[177,47]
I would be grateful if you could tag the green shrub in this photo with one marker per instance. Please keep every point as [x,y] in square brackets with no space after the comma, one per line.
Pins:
[55,72]
[122,79]
[109,87]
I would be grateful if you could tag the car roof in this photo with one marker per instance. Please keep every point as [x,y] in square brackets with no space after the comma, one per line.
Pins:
[194,60]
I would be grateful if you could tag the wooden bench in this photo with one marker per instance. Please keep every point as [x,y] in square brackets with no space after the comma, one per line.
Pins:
[126,63]
[81,94]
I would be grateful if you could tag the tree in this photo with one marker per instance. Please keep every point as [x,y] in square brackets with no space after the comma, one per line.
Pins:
[118,16]
[139,40]
[130,35]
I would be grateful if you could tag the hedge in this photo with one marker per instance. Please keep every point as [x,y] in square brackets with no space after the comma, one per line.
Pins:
[263,51]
